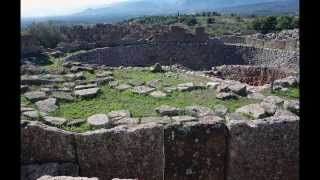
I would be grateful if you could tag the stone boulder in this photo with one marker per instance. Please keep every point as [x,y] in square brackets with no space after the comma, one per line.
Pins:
[99,121]
[156,68]
[292,106]
[254,110]
[118,115]
[226,96]
[158,94]
[166,110]
[34,96]
[47,105]
[142,90]
[274,100]
[239,89]
[199,111]
[87,93]
[63,96]
[220,110]
[37,171]
[123,87]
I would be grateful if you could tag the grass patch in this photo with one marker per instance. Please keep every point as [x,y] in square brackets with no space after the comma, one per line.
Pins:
[24,101]
[140,105]
[292,93]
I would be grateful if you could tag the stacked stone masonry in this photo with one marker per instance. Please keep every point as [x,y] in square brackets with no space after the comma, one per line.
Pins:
[197,56]
[206,149]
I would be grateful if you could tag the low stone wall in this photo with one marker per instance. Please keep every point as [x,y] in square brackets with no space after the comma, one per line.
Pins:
[290,45]
[232,39]
[197,56]
[205,149]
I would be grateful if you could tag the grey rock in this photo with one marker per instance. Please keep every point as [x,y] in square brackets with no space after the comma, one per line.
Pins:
[223,87]
[199,111]
[169,89]
[159,120]
[135,82]
[158,94]
[274,100]
[239,89]
[220,110]
[213,85]
[99,121]
[87,93]
[187,87]
[269,108]
[87,86]
[256,96]
[113,84]
[101,74]
[103,80]
[123,87]
[226,96]
[236,117]
[63,96]
[142,90]
[75,122]
[37,171]
[75,69]
[118,115]
[254,110]
[183,119]
[292,106]
[34,96]
[24,88]
[33,115]
[47,105]
[156,68]
[24,109]
[166,110]
[154,83]
[54,121]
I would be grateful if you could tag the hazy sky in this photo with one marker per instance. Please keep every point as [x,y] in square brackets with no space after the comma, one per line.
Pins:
[31,8]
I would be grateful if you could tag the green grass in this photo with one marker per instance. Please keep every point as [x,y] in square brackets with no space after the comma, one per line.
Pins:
[24,101]
[140,105]
[292,93]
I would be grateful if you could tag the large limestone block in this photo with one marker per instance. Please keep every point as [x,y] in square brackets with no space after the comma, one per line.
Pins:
[195,150]
[136,152]
[264,149]
[42,143]
[35,171]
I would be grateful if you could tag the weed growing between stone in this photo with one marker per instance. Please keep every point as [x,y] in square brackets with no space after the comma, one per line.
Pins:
[291,93]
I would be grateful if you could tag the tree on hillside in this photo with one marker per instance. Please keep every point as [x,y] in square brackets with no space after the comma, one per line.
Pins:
[264,24]
[284,22]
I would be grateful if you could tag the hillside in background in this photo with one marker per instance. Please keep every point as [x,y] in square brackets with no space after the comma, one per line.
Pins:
[135,8]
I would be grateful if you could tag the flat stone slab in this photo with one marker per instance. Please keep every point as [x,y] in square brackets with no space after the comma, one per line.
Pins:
[102,80]
[169,89]
[54,121]
[183,119]
[142,90]
[103,74]
[87,86]
[154,83]
[187,87]
[34,96]
[33,115]
[220,110]
[264,149]
[166,110]
[239,89]
[254,110]
[274,100]
[199,111]
[195,150]
[87,93]
[37,171]
[123,87]
[75,122]
[159,120]
[236,117]
[64,96]
[99,120]
[118,115]
[256,96]
[47,105]
[158,94]
[226,96]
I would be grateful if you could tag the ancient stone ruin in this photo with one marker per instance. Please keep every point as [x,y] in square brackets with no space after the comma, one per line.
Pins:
[243,133]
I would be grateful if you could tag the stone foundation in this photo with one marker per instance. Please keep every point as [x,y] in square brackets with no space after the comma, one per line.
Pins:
[204,149]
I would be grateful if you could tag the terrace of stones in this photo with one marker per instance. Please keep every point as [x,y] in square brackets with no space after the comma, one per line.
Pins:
[82,97]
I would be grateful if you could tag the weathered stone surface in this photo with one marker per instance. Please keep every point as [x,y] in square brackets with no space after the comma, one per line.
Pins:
[34,96]
[226,96]
[142,89]
[158,94]
[87,86]
[99,120]
[65,178]
[187,87]
[239,89]
[285,83]
[76,69]
[166,110]
[269,108]
[213,85]
[254,110]
[118,115]
[274,100]
[35,171]
[195,150]
[236,117]
[159,120]
[183,119]
[264,149]
[154,83]
[123,87]
[47,105]
[54,121]
[199,111]
[136,152]
[220,110]
[102,80]
[292,106]
[87,93]
[135,82]
[24,88]
[75,122]
[113,84]
[169,89]
[24,109]
[63,96]
[256,95]
[42,143]
[103,74]
[33,115]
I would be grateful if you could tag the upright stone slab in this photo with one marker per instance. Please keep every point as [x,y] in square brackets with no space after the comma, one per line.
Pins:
[195,150]
[42,143]
[264,149]
[136,152]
